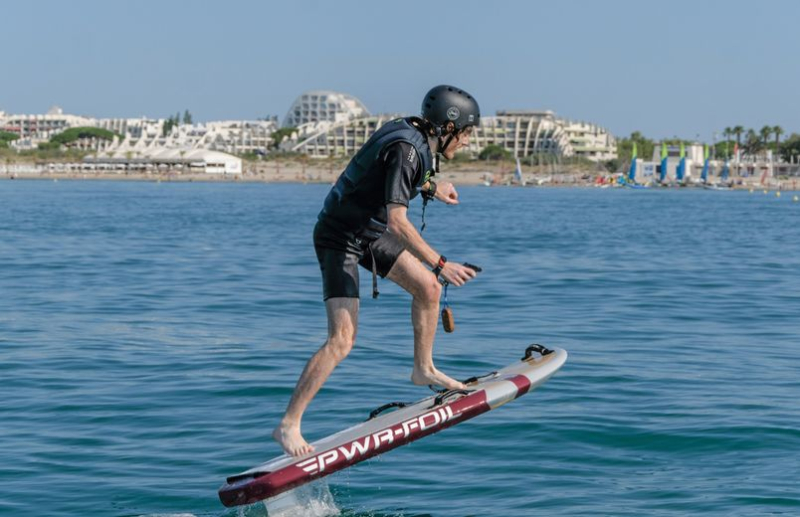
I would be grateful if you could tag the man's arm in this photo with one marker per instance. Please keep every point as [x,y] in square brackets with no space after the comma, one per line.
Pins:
[399,225]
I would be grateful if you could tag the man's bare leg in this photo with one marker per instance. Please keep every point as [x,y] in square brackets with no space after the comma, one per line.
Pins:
[342,325]
[410,274]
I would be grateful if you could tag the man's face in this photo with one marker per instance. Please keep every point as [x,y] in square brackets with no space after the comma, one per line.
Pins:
[460,141]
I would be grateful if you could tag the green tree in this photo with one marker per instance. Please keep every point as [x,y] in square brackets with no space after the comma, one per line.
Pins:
[6,137]
[727,133]
[777,131]
[765,133]
[723,150]
[187,118]
[72,135]
[644,147]
[168,125]
[753,143]
[280,134]
[494,152]
[49,146]
[613,165]
[738,131]
[790,148]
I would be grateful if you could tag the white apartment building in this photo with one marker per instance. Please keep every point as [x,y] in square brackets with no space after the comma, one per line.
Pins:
[229,136]
[522,133]
[590,141]
[328,124]
[324,106]
[233,136]
[42,126]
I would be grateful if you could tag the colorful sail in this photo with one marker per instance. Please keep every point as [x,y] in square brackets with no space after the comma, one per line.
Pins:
[663,174]
[632,169]
[726,171]
[518,174]
[704,175]
[681,165]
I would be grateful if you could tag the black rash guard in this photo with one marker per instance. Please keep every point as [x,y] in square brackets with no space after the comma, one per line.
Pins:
[349,207]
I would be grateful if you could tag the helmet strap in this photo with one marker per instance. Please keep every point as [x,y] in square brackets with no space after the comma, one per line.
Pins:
[443,146]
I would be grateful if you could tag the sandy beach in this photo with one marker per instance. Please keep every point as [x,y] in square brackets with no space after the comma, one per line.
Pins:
[470,173]
[293,172]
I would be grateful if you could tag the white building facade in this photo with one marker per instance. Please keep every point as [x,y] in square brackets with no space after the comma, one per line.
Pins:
[327,124]
[522,133]
[324,106]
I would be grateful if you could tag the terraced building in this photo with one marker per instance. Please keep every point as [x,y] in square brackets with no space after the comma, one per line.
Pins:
[523,133]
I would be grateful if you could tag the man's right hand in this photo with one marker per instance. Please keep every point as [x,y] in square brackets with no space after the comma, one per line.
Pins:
[457,274]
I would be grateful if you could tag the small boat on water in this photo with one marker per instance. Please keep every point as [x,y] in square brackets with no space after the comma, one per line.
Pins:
[518,175]
[723,177]
[630,181]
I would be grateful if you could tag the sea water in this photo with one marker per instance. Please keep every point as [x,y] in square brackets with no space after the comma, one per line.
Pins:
[151,335]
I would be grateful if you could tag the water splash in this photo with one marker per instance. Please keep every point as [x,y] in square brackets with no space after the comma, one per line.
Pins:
[311,500]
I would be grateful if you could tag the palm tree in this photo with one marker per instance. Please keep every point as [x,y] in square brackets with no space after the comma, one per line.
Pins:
[777,131]
[738,130]
[727,133]
[752,142]
[765,133]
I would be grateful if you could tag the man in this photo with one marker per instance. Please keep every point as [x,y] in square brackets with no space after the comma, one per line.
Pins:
[364,222]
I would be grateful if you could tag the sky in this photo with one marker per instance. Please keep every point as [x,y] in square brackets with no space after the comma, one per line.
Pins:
[678,68]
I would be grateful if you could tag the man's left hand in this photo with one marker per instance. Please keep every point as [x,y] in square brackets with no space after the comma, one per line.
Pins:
[446,193]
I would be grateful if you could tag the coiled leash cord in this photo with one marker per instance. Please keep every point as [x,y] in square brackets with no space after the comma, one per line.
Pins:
[448,320]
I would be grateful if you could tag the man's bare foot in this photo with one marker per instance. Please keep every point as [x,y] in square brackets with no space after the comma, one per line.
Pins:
[290,439]
[435,377]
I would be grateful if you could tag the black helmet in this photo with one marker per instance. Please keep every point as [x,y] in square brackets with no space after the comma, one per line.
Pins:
[445,104]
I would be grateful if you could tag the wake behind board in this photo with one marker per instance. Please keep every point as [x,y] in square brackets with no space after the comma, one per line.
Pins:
[383,431]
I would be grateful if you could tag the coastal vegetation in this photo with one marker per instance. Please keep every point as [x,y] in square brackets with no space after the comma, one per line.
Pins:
[279,135]
[174,121]
[73,136]
[756,142]
[644,148]
[6,137]
[750,141]
[494,152]
[67,146]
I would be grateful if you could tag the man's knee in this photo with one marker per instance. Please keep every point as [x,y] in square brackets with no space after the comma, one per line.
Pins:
[341,343]
[430,290]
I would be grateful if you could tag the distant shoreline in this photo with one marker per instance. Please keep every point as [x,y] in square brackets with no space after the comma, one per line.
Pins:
[284,173]
[303,174]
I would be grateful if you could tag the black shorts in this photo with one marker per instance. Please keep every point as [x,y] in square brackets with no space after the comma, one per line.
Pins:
[340,268]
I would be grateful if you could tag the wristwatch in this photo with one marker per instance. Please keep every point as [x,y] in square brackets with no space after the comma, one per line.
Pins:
[431,188]
[439,265]
[430,193]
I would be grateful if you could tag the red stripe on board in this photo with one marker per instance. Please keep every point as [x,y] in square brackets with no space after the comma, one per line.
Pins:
[523,384]
[252,489]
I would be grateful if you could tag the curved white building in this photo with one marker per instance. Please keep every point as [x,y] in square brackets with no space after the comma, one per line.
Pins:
[343,138]
[324,106]
[522,133]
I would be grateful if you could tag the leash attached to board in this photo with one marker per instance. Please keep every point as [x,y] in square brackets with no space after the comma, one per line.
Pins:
[448,320]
